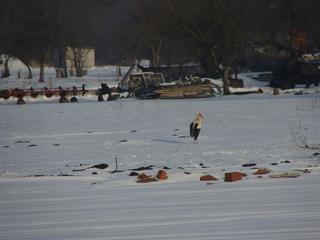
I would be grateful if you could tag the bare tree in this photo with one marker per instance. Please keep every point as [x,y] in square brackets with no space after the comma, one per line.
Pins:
[78,56]
[5,36]
[148,32]
[39,28]
[79,31]
[214,32]
[218,30]
[150,28]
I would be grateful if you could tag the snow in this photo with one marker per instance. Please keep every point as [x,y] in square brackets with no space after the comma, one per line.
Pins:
[42,140]
[95,76]
[249,79]
[71,209]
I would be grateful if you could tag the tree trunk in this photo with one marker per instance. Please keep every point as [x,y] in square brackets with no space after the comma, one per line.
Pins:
[78,56]
[29,72]
[41,77]
[6,72]
[79,68]
[44,53]
[156,49]
[236,72]
[119,71]
[210,65]
[63,65]
[65,71]
[225,80]
[154,61]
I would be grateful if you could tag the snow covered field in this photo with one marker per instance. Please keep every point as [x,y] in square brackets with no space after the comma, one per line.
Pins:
[93,79]
[40,141]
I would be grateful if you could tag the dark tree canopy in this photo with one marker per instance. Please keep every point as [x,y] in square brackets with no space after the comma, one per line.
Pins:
[209,32]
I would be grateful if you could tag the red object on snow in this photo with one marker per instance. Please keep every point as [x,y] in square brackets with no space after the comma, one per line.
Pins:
[162,175]
[233,176]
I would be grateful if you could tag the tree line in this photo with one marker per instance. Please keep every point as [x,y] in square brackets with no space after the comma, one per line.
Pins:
[219,33]
[214,33]
[31,30]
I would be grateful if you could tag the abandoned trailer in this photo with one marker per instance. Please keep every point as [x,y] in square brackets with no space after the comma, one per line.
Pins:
[151,85]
